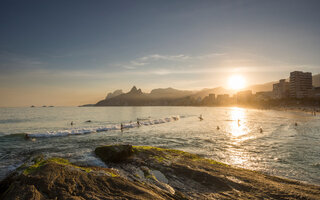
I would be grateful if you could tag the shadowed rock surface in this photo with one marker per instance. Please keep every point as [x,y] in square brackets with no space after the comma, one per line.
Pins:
[148,173]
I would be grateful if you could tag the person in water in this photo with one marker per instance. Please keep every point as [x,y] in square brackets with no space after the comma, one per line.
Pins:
[238,122]
[121,127]
[261,130]
[138,122]
[71,123]
[296,124]
[218,128]
[200,117]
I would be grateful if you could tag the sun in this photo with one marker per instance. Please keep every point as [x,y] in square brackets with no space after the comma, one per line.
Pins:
[236,82]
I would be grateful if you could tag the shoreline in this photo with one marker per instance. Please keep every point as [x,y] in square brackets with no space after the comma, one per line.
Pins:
[145,172]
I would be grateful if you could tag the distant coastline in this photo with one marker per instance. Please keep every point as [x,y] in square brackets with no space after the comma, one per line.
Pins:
[205,97]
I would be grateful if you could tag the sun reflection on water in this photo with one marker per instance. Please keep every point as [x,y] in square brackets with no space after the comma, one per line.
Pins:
[238,125]
[238,130]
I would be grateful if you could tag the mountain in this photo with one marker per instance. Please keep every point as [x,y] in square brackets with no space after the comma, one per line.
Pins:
[205,92]
[171,96]
[134,97]
[168,96]
[114,94]
[261,87]
[169,93]
[157,97]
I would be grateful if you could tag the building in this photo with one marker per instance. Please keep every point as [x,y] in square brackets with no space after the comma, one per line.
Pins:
[223,99]
[281,89]
[300,83]
[212,98]
[244,96]
[314,93]
[209,100]
[264,95]
[316,80]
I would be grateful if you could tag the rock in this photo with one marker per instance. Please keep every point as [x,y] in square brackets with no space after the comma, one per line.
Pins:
[64,182]
[114,153]
[189,176]
[147,173]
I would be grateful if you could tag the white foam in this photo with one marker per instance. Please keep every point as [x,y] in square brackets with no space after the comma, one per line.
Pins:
[81,131]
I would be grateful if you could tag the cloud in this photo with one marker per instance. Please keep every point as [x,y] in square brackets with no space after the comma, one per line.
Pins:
[149,59]
[179,57]
[13,62]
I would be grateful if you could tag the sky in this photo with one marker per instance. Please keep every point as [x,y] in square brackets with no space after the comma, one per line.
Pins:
[74,52]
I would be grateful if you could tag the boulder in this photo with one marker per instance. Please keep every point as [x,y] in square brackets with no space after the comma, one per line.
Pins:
[114,153]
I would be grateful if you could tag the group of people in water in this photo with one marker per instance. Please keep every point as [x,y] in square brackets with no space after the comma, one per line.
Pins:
[260,129]
[122,127]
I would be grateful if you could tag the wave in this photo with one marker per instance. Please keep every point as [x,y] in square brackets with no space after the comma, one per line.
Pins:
[81,131]
[8,121]
[14,135]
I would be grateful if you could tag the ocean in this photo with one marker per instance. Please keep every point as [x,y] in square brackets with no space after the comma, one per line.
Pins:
[262,140]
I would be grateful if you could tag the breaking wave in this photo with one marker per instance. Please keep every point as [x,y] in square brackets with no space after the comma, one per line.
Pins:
[81,131]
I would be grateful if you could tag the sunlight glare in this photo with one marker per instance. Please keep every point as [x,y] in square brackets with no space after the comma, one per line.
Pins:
[236,82]
[238,128]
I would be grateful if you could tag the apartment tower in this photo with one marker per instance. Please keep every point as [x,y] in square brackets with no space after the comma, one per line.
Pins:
[300,83]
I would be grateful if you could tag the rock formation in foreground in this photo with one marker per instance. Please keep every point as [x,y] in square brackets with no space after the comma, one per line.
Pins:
[147,173]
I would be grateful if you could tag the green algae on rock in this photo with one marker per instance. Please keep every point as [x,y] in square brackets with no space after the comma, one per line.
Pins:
[140,172]
[194,177]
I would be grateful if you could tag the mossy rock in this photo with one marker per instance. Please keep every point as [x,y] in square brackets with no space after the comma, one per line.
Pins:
[114,153]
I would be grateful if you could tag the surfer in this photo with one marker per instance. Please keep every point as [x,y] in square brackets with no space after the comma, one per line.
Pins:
[121,127]
[88,121]
[200,117]
[261,130]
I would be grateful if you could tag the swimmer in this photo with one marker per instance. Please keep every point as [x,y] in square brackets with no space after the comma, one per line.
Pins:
[200,117]
[261,130]
[218,128]
[26,136]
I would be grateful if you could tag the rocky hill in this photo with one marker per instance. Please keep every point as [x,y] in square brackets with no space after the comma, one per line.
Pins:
[140,172]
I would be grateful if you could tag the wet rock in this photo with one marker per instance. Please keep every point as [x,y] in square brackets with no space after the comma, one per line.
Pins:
[114,153]
[147,173]
[59,181]
[189,176]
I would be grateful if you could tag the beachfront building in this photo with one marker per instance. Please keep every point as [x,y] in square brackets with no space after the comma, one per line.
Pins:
[244,96]
[209,100]
[264,95]
[281,89]
[316,80]
[300,84]
[314,93]
[223,99]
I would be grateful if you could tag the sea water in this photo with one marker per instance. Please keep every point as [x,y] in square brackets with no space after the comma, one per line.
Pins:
[263,140]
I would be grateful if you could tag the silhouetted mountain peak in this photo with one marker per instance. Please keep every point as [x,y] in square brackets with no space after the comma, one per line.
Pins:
[134,90]
[114,94]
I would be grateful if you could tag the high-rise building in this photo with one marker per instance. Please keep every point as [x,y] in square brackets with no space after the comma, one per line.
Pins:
[316,80]
[300,83]
[281,89]
[212,97]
